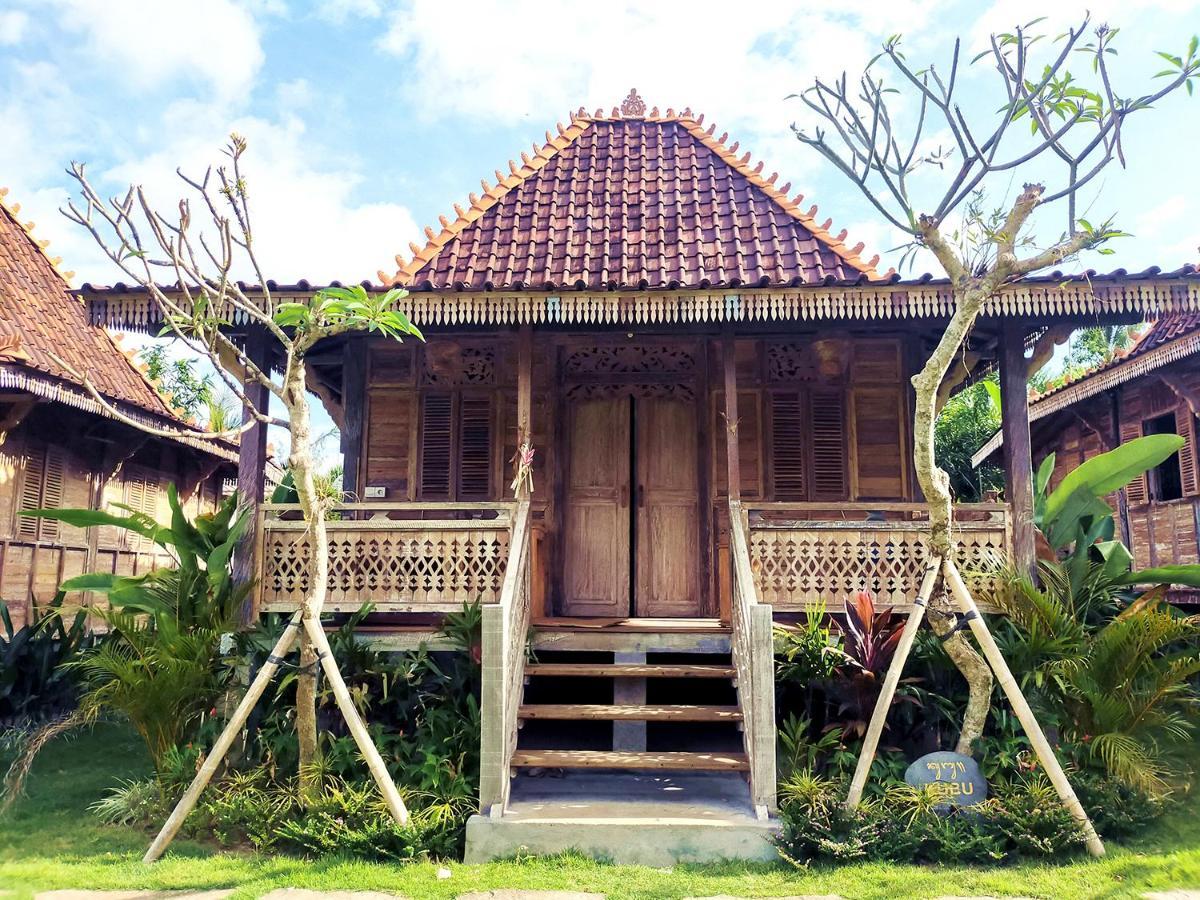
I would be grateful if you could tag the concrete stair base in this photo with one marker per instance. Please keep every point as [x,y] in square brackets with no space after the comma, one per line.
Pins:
[653,819]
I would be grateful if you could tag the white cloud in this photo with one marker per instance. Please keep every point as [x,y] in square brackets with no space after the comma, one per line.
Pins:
[151,41]
[308,223]
[338,11]
[12,27]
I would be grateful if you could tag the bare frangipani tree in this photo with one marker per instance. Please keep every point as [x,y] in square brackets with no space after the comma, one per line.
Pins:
[1046,122]
[190,272]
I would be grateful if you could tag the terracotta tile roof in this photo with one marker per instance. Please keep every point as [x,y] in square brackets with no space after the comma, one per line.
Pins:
[632,200]
[1168,340]
[39,316]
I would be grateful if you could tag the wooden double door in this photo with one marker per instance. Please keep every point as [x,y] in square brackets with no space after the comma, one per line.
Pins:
[632,523]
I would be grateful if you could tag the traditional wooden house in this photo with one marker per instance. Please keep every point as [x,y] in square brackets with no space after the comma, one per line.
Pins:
[1153,388]
[715,389]
[59,448]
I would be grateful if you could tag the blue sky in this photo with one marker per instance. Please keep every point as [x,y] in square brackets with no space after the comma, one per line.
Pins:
[367,119]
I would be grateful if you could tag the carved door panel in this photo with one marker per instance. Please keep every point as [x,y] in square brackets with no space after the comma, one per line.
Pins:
[668,509]
[596,557]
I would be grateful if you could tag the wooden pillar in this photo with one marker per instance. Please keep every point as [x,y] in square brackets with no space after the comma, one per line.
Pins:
[524,392]
[354,402]
[1014,425]
[252,460]
[733,468]
[524,383]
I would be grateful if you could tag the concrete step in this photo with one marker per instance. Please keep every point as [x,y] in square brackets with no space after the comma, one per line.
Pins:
[627,670]
[636,713]
[615,759]
[654,818]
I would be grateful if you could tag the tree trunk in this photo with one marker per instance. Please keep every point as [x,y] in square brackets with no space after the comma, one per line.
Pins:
[300,462]
[935,483]
[974,669]
[306,721]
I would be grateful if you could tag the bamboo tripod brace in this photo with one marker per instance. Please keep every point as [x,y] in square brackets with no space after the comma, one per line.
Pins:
[312,626]
[1012,691]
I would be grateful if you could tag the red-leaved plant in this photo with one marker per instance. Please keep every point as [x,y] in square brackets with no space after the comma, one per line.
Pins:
[870,643]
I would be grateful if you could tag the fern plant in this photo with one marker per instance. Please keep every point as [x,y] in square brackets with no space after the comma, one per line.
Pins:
[1121,690]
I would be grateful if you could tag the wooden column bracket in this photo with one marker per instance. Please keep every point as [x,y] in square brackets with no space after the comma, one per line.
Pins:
[1181,390]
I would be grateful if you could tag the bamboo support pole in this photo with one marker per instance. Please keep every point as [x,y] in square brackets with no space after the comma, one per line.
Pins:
[362,738]
[879,717]
[1021,707]
[188,801]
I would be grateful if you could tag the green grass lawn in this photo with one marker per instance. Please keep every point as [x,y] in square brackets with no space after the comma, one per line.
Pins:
[49,840]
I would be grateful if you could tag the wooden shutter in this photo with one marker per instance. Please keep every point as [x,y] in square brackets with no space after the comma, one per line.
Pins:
[31,494]
[879,445]
[388,443]
[54,477]
[1185,425]
[437,429]
[42,487]
[830,479]
[475,448]
[788,464]
[1137,490]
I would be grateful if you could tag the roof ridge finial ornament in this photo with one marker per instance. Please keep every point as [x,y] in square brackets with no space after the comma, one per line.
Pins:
[633,106]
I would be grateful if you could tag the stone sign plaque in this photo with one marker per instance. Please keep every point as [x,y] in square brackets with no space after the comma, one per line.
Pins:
[953,776]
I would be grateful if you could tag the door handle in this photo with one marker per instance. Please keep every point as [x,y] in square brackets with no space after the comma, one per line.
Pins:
[641,496]
[624,496]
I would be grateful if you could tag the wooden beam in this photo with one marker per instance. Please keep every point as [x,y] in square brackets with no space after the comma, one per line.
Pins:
[1181,390]
[1014,424]
[733,468]
[252,460]
[1091,423]
[354,401]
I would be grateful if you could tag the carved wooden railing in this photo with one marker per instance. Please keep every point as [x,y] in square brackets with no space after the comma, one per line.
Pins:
[811,554]
[505,630]
[400,557]
[754,658]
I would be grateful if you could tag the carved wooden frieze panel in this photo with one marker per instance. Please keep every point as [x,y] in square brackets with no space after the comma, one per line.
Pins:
[452,364]
[651,390]
[630,359]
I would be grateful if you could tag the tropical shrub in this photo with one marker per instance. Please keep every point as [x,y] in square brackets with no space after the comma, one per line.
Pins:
[35,682]
[429,700]
[159,665]
[1022,819]
[1112,669]
[966,423]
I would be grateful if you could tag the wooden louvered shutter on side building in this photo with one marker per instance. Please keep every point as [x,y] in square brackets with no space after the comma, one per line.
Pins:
[788,464]
[31,494]
[42,487]
[830,478]
[1185,425]
[54,477]
[437,424]
[1137,490]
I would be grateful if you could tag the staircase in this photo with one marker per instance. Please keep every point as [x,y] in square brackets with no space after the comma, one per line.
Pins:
[629,748]
[630,683]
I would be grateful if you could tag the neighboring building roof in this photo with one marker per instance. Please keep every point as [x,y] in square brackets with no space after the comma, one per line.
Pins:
[1166,341]
[40,318]
[632,200]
